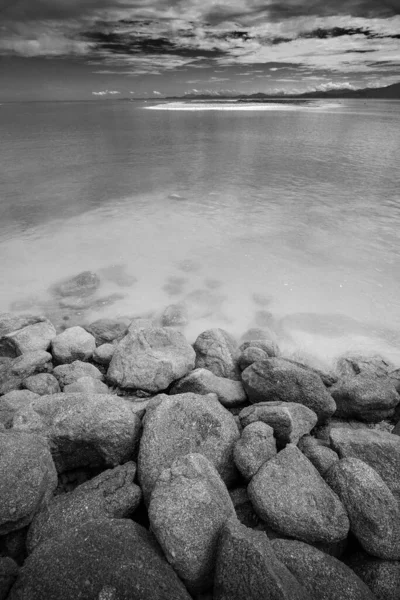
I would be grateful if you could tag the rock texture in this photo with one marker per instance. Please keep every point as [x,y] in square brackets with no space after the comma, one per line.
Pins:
[365,398]
[87,385]
[276,379]
[381,576]
[73,344]
[292,498]
[27,339]
[8,574]
[372,509]
[202,381]
[188,507]
[42,384]
[12,402]
[95,430]
[106,331]
[28,479]
[217,351]
[247,567]
[67,374]
[151,359]
[320,455]
[82,285]
[112,494]
[177,425]
[100,560]
[103,354]
[256,445]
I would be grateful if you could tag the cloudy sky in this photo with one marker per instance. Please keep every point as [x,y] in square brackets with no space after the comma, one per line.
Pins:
[98,49]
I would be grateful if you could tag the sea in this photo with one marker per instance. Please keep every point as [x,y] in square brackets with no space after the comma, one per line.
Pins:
[279,216]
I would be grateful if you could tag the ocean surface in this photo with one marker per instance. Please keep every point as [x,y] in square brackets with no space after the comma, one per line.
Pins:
[279,216]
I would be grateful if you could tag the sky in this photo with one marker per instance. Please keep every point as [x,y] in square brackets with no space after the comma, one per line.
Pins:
[108,49]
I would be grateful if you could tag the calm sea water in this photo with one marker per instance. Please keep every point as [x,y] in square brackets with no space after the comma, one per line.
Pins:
[278,215]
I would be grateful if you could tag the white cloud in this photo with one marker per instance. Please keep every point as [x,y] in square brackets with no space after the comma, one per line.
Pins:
[156,93]
[106,92]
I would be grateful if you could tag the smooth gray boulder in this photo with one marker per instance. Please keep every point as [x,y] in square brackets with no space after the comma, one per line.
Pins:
[291,497]
[83,284]
[151,359]
[103,354]
[317,453]
[106,331]
[75,343]
[372,509]
[379,449]
[177,425]
[37,336]
[381,576]
[12,402]
[100,560]
[202,381]
[87,385]
[366,398]
[42,384]
[94,430]
[247,568]
[322,576]
[276,379]
[28,478]
[8,574]
[112,494]
[217,351]
[255,446]
[290,421]
[188,507]
[67,374]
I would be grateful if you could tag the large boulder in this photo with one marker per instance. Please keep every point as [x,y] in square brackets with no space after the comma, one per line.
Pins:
[321,575]
[112,494]
[217,351]
[42,384]
[379,449]
[83,284]
[365,398]
[28,478]
[256,445]
[151,359]
[177,425]
[276,379]
[73,344]
[372,509]
[290,421]
[202,381]
[67,374]
[99,560]
[188,507]
[108,330]
[12,402]
[381,576]
[93,430]
[247,567]
[36,336]
[291,497]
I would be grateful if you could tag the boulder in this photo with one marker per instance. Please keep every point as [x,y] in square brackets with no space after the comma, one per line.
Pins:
[202,381]
[112,494]
[42,384]
[188,507]
[73,344]
[151,359]
[103,354]
[381,576]
[372,509]
[15,371]
[37,336]
[290,421]
[249,356]
[10,322]
[247,567]
[365,398]
[93,430]
[12,402]
[321,575]
[379,449]
[351,365]
[175,315]
[100,560]
[217,351]
[177,425]
[106,331]
[8,574]
[28,478]
[291,497]
[320,455]
[84,284]
[276,379]
[87,385]
[66,374]
[255,446]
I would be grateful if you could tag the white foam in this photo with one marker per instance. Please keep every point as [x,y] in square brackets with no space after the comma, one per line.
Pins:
[182,106]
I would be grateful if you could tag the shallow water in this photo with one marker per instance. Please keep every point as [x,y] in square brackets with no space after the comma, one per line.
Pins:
[240,214]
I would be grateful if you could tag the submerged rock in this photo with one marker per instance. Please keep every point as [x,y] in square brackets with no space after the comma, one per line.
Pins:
[84,284]
[175,315]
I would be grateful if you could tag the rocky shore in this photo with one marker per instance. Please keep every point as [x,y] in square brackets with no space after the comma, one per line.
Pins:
[136,466]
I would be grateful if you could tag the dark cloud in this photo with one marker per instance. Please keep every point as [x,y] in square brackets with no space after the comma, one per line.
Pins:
[287,9]
[26,10]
